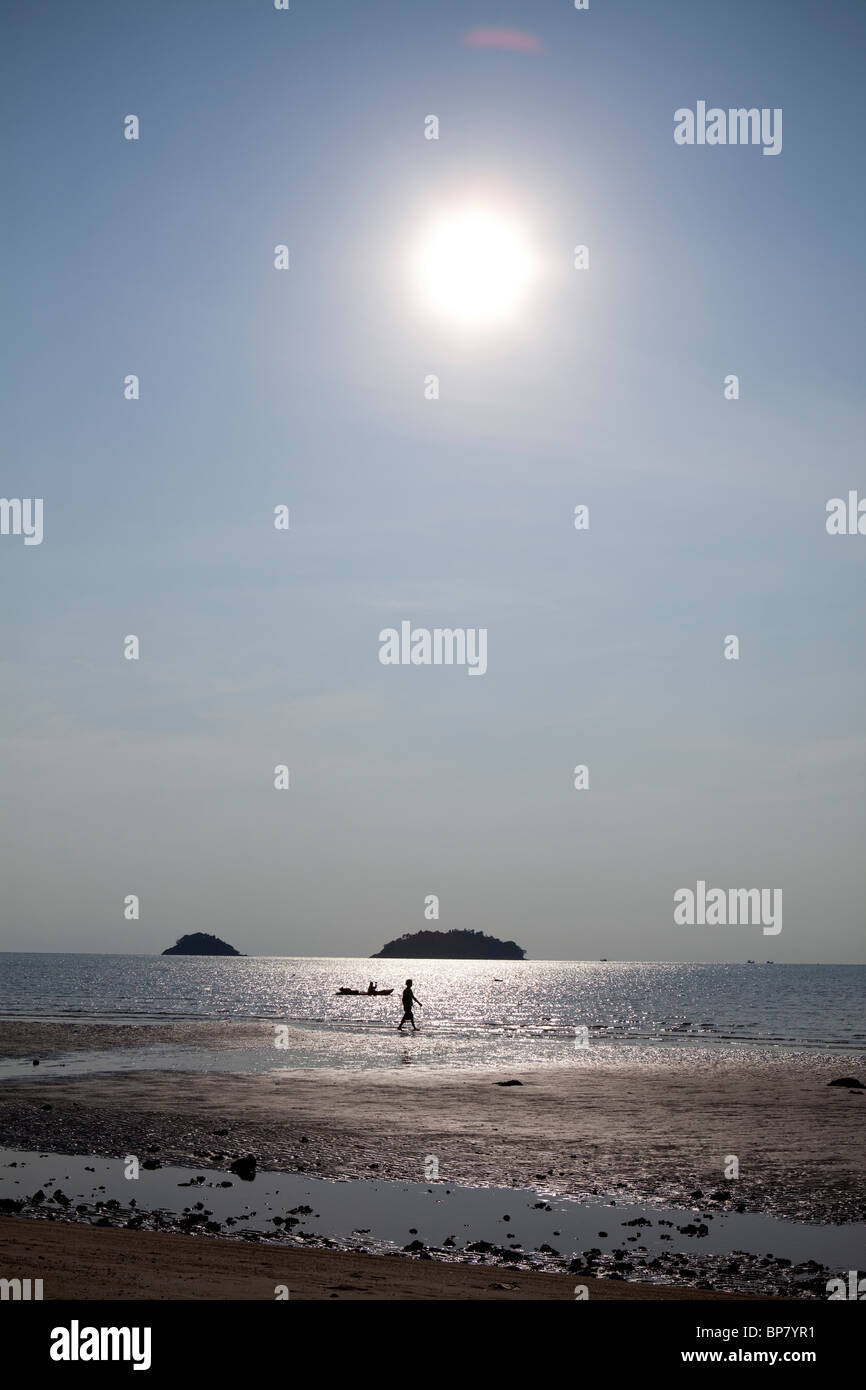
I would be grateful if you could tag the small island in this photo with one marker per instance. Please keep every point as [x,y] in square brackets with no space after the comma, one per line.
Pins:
[450,945]
[201,943]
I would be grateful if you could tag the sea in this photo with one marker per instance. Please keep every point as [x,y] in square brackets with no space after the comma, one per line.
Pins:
[474,1014]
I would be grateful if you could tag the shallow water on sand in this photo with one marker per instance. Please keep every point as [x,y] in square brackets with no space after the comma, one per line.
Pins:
[350,1049]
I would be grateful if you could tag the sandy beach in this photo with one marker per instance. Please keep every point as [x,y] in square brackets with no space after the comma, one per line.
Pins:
[652,1125]
[80,1262]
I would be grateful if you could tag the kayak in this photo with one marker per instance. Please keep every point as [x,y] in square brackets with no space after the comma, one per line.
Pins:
[364,993]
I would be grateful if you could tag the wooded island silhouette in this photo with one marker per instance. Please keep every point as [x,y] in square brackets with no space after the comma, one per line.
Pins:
[201,943]
[449,945]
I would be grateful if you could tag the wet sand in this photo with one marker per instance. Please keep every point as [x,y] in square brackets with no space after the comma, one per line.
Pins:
[40,1039]
[79,1262]
[657,1124]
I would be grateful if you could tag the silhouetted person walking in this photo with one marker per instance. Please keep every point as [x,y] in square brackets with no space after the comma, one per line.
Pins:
[408,1000]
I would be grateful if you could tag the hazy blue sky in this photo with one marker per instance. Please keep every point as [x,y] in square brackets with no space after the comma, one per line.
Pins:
[305,387]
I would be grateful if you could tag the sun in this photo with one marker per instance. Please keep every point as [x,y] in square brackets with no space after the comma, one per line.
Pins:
[475,266]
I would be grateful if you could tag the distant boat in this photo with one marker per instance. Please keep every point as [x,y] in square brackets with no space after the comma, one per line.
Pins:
[364,993]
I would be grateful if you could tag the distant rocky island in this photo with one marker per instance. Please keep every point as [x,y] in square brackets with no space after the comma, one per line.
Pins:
[450,945]
[201,943]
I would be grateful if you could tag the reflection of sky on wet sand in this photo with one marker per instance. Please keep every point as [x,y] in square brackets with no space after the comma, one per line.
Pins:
[340,1049]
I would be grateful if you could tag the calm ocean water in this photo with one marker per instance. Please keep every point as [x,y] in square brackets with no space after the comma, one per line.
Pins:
[476,1012]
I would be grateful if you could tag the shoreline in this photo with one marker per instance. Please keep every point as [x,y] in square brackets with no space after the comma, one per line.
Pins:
[51,1035]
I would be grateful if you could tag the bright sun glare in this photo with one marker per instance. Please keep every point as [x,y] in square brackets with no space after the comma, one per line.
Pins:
[475,266]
